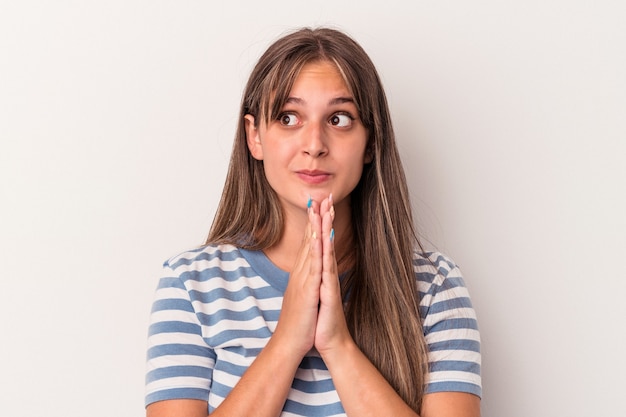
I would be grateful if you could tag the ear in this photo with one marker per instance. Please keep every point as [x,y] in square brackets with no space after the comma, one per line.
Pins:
[252,138]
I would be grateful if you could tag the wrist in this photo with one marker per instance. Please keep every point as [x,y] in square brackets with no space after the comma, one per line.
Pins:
[339,352]
[281,348]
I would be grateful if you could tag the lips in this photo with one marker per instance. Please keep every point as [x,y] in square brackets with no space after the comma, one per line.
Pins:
[313,176]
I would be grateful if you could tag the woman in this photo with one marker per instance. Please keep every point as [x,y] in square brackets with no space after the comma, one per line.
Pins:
[312,295]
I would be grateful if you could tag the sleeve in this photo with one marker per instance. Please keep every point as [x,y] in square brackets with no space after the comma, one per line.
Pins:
[451,331]
[179,362]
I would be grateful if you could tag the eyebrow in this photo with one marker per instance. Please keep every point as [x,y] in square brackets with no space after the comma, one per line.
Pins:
[337,100]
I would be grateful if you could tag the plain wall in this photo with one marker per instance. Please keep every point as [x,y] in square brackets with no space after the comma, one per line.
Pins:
[116,122]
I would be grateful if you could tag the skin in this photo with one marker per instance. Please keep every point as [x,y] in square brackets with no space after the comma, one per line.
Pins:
[316,150]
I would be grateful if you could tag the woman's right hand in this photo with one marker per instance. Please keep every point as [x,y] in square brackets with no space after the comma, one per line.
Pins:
[298,317]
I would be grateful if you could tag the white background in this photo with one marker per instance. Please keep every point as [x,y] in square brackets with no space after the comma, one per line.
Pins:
[116,122]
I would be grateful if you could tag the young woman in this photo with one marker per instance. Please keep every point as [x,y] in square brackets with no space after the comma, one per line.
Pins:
[312,295]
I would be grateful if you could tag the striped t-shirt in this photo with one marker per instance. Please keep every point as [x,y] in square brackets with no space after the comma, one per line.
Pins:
[216,308]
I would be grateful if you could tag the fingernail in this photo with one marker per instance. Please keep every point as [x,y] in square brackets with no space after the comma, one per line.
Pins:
[332,234]
[314,236]
[310,202]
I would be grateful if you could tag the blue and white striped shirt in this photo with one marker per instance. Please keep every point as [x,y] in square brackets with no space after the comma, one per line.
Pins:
[216,307]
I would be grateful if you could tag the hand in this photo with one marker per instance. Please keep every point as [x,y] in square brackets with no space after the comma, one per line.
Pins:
[298,317]
[312,311]
[332,330]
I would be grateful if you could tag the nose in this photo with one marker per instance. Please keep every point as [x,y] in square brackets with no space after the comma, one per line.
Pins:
[314,141]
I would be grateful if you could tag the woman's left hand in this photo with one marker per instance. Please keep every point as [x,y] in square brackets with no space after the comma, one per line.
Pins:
[331,331]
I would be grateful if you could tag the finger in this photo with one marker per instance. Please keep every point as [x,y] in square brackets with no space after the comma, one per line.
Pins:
[313,206]
[327,211]
[328,242]
[316,237]
[324,205]
[327,206]
[331,207]
[303,253]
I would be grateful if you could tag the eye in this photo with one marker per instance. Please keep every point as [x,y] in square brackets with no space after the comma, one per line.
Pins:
[341,120]
[288,119]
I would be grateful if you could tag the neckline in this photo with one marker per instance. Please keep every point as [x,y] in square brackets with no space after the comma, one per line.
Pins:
[266,269]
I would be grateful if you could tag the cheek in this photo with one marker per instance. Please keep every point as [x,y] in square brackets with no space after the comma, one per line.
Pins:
[354,168]
[275,164]
[356,175]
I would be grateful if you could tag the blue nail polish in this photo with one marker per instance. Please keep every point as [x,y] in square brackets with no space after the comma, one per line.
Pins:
[309,203]
[332,234]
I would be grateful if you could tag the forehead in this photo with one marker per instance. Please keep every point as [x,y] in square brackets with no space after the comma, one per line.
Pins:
[319,76]
[317,72]
[320,69]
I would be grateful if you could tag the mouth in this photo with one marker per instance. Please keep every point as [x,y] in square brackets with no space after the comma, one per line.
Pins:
[313,176]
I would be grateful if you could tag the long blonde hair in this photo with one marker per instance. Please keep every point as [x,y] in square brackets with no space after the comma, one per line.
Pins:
[382,297]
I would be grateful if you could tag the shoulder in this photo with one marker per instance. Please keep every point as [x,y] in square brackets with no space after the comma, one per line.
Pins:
[450,325]
[436,269]
[196,268]
[440,284]
[204,257]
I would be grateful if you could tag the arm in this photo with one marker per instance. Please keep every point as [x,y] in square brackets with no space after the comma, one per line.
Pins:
[280,358]
[361,387]
[442,404]
[251,396]
[365,392]
[450,404]
[177,408]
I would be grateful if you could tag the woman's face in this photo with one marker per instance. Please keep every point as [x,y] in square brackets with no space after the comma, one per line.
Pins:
[317,145]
